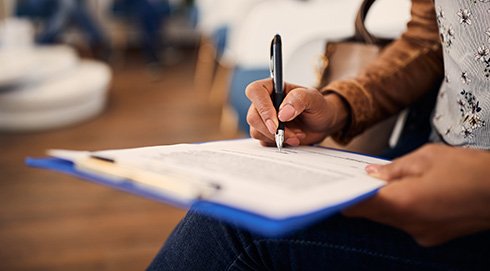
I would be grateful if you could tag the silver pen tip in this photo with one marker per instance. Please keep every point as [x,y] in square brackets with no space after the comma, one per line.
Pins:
[279,139]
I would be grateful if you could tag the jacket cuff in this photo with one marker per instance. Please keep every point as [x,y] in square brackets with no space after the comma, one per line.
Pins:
[359,103]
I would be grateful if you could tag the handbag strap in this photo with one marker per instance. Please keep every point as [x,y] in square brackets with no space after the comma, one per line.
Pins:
[361,33]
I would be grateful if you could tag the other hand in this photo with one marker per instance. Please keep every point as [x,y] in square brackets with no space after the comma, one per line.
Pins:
[436,193]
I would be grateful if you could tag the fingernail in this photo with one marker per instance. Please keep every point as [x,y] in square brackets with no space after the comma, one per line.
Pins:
[286,113]
[271,126]
[292,141]
[373,170]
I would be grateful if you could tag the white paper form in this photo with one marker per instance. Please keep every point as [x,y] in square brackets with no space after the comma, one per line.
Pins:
[259,179]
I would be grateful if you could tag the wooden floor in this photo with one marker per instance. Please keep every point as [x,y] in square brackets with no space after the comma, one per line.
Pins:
[50,221]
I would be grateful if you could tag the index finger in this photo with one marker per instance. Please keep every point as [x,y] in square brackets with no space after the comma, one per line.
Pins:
[259,93]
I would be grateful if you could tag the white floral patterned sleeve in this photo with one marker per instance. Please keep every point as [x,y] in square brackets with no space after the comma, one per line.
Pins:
[462,114]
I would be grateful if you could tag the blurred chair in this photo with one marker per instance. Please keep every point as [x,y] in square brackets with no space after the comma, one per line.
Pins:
[76,96]
[16,33]
[31,66]
[45,87]
[214,18]
[16,39]
[305,28]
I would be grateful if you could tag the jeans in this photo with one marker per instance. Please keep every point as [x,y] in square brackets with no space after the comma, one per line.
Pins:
[338,243]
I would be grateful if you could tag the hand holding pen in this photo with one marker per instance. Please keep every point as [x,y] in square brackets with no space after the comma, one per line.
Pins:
[306,115]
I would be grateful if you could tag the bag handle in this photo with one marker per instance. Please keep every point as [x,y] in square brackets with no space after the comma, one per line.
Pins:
[361,33]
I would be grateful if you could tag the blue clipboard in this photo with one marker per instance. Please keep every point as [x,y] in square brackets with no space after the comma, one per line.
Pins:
[253,222]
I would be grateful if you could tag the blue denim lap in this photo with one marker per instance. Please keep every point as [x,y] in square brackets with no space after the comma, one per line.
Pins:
[338,243]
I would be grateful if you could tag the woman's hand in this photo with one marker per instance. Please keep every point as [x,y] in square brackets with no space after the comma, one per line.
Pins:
[309,115]
[436,193]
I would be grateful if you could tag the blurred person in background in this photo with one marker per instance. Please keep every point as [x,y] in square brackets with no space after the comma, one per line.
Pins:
[149,17]
[434,212]
[57,15]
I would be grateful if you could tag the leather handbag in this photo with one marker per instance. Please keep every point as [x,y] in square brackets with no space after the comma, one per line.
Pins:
[345,59]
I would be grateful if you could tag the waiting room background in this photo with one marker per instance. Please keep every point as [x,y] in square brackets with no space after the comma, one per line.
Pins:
[102,74]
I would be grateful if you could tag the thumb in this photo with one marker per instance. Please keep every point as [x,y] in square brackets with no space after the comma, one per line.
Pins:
[297,101]
[407,166]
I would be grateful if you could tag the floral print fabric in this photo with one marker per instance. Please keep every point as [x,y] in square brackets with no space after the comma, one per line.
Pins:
[462,115]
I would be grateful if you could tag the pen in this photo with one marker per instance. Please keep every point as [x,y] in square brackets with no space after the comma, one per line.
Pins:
[278,84]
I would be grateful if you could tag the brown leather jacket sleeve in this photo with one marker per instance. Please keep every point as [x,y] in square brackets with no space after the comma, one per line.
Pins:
[408,68]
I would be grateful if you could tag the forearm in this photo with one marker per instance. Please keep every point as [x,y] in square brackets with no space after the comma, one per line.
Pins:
[408,68]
